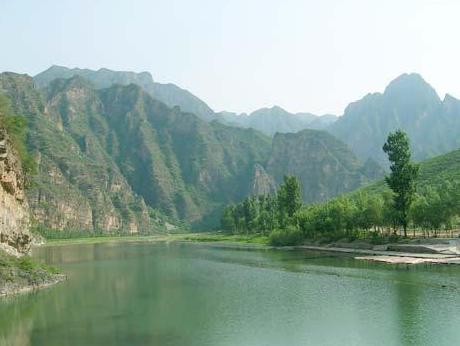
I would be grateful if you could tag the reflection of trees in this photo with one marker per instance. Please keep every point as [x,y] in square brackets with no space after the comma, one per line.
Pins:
[408,306]
[16,321]
[139,294]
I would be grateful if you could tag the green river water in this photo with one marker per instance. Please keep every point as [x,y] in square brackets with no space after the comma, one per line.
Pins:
[194,294]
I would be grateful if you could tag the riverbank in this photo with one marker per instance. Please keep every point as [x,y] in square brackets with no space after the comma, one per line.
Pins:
[113,239]
[188,237]
[414,251]
[22,274]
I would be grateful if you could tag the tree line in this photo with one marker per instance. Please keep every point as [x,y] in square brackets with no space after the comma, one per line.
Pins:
[287,221]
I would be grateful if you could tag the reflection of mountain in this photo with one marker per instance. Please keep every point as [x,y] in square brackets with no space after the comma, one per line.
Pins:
[192,294]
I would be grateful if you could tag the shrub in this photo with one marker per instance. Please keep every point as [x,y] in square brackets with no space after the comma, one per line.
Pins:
[288,237]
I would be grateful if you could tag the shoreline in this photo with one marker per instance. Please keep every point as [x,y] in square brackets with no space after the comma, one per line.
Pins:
[114,239]
[23,274]
[16,290]
[407,254]
[390,257]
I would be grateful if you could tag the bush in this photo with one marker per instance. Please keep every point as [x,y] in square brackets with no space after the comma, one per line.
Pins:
[290,236]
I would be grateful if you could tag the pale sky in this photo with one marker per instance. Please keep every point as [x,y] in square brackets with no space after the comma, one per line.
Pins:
[305,56]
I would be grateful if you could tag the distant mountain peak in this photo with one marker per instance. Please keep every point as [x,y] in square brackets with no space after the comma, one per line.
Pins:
[450,98]
[274,110]
[411,85]
[170,94]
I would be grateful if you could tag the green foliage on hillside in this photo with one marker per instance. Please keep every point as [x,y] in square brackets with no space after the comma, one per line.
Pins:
[267,213]
[16,128]
[366,213]
[325,166]
[107,157]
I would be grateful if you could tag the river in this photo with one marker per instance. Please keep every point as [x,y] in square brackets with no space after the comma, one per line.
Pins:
[195,294]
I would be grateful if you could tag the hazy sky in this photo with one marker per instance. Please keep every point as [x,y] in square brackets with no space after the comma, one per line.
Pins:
[240,55]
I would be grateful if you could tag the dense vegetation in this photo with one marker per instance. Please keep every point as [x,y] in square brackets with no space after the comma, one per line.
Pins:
[374,213]
[111,156]
[268,214]
[16,128]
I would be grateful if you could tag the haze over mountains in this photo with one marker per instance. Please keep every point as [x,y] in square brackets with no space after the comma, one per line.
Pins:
[276,119]
[266,120]
[408,102]
[170,94]
[116,150]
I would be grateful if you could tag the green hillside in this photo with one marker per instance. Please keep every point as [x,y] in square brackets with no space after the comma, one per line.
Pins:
[115,159]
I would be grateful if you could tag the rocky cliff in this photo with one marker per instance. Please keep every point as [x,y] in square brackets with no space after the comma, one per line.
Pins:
[115,159]
[325,166]
[408,103]
[14,210]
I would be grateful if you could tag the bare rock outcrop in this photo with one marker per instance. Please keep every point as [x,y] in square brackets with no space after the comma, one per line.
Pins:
[14,211]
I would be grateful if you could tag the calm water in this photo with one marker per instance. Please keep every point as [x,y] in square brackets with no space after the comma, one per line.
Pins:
[191,294]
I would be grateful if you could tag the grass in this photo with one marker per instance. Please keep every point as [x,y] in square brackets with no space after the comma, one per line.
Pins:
[22,272]
[233,238]
[119,238]
[68,238]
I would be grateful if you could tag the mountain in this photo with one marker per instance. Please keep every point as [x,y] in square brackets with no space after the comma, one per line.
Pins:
[433,171]
[14,210]
[170,94]
[276,119]
[325,166]
[408,103]
[115,158]
[77,185]
[106,157]
[266,120]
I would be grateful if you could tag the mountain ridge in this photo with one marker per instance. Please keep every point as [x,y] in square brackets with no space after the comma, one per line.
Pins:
[408,103]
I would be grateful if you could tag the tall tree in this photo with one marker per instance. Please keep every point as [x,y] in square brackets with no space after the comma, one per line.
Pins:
[289,198]
[403,175]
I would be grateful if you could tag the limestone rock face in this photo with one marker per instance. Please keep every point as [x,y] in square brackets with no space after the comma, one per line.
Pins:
[324,165]
[14,210]
[263,183]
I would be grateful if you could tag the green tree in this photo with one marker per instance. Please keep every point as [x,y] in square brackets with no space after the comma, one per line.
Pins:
[403,175]
[289,198]
[228,218]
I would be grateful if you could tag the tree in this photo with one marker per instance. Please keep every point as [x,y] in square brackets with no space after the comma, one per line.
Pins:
[289,198]
[403,175]
[228,218]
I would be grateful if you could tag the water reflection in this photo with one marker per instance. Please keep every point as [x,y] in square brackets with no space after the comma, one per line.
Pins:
[186,294]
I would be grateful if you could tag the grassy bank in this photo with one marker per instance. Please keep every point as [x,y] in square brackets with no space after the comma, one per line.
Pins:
[56,238]
[23,274]
[231,238]
[117,238]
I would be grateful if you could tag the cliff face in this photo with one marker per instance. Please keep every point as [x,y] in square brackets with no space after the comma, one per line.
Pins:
[324,165]
[107,157]
[14,210]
